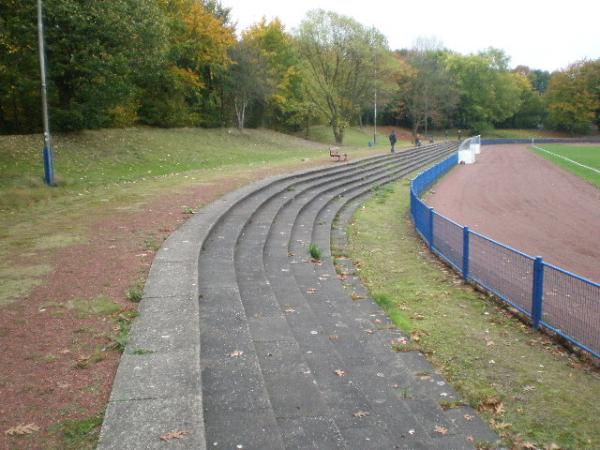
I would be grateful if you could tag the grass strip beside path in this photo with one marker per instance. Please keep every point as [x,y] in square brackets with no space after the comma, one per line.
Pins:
[529,389]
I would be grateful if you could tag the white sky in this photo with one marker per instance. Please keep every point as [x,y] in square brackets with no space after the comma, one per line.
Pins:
[545,35]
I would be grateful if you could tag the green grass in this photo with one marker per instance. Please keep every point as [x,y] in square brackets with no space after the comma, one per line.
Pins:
[480,347]
[99,306]
[315,252]
[588,155]
[135,293]
[90,158]
[79,434]
[522,134]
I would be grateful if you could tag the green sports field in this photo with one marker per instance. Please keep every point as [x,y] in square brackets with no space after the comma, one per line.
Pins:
[573,158]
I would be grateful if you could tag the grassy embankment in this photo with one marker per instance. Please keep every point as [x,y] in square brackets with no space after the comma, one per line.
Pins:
[101,171]
[588,155]
[530,390]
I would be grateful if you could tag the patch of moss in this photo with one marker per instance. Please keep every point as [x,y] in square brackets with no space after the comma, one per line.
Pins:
[99,306]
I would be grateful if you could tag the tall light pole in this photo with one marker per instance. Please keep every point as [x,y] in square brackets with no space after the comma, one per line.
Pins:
[375,100]
[375,118]
[47,152]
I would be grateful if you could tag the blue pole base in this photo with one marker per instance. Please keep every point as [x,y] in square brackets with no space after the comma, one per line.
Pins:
[48,166]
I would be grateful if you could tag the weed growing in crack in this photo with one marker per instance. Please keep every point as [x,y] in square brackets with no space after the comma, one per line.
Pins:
[315,252]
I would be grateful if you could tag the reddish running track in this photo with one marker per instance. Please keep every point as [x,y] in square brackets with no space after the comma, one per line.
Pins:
[520,199]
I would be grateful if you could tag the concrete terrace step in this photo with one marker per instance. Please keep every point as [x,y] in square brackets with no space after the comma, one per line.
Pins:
[253,363]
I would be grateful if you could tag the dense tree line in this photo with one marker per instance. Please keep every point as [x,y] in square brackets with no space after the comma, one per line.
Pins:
[173,63]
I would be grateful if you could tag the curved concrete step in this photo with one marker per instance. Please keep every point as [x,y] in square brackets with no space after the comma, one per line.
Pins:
[228,332]
[252,363]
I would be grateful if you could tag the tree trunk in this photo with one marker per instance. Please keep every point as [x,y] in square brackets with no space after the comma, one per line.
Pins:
[338,132]
[307,126]
[240,113]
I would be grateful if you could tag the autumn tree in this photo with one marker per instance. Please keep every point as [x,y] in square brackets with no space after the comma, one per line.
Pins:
[183,87]
[338,63]
[427,93]
[283,107]
[532,111]
[573,97]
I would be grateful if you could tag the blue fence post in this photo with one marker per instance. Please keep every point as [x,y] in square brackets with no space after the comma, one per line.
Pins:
[431,213]
[538,292]
[465,265]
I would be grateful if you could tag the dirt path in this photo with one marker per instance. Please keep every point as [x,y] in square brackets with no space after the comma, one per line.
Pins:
[520,199]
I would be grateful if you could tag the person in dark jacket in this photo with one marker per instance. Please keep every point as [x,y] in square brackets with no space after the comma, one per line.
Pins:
[393,140]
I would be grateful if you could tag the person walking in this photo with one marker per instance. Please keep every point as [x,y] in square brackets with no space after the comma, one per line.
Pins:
[393,140]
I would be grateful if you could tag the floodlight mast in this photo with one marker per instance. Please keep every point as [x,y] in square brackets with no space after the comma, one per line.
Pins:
[47,152]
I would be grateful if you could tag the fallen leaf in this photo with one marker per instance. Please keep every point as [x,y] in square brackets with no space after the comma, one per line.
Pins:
[492,404]
[339,372]
[468,417]
[360,413]
[490,343]
[528,446]
[236,354]
[441,430]
[377,321]
[502,425]
[356,296]
[369,331]
[417,335]
[22,429]
[419,317]
[528,388]
[334,337]
[311,291]
[289,310]
[174,435]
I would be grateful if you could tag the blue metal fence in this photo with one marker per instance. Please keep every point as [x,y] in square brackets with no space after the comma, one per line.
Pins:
[554,298]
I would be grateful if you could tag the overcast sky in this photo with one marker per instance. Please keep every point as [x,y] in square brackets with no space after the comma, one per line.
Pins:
[545,35]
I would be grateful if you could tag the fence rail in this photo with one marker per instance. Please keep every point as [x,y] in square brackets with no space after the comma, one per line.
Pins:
[550,296]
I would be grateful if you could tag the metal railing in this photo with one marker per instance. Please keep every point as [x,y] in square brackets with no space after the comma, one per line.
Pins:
[562,302]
